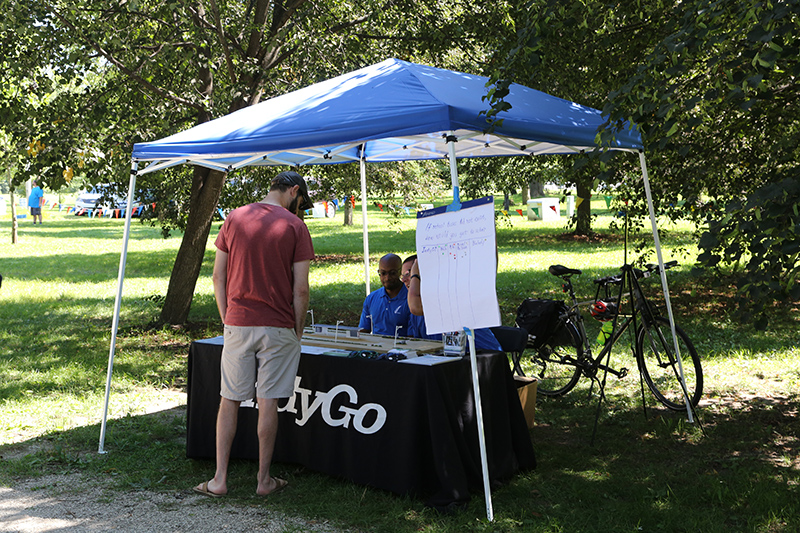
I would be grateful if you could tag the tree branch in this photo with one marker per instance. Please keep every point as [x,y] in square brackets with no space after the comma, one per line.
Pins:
[222,41]
[163,93]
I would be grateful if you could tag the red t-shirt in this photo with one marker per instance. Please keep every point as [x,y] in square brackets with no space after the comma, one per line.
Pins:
[262,242]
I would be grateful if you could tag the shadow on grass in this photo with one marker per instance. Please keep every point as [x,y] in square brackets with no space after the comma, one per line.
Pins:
[80,227]
[62,346]
[655,474]
[663,474]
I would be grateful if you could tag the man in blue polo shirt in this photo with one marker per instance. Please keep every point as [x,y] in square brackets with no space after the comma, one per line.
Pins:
[387,308]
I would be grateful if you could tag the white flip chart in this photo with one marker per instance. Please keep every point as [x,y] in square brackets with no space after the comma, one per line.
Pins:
[456,251]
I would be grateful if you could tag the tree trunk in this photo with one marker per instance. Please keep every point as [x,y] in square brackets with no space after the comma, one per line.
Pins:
[525,196]
[536,189]
[13,207]
[206,188]
[348,211]
[583,188]
[506,201]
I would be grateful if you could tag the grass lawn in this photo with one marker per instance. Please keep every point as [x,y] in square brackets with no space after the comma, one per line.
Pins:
[740,472]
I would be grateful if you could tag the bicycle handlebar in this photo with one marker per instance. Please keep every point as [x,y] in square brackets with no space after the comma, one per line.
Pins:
[652,268]
[609,280]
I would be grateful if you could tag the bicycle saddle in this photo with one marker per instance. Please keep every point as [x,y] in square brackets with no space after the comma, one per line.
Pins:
[561,270]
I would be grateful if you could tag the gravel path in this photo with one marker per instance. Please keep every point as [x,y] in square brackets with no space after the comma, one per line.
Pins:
[55,504]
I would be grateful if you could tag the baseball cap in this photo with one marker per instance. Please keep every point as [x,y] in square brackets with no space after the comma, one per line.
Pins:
[292,178]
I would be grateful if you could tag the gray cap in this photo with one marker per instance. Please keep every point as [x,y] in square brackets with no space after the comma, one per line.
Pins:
[292,178]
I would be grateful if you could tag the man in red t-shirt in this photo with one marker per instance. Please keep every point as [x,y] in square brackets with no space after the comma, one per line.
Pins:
[261,285]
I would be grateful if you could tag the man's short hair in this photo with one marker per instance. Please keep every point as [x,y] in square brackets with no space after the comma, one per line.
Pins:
[410,258]
[391,257]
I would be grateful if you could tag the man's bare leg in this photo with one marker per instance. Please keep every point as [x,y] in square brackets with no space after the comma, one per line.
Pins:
[267,431]
[227,418]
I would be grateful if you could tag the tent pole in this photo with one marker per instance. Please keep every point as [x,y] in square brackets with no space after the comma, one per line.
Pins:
[476,388]
[664,285]
[451,152]
[363,165]
[115,323]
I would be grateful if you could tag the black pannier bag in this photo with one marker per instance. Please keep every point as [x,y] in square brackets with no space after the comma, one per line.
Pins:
[539,318]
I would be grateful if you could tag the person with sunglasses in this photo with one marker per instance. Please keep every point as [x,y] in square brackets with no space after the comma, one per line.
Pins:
[385,310]
[416,323]
[260,277]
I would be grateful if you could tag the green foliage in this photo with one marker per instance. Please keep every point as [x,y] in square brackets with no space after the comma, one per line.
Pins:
[762,233]
[103,77]
[711,86]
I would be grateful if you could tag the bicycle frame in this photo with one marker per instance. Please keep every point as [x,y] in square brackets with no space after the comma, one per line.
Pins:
[639,308]
[658,346]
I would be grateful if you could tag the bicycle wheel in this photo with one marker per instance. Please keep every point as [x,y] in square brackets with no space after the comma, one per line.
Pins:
[655,355]
[554,365]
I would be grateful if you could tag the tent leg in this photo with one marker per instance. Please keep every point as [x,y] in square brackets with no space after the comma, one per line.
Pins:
[363,165]
[487,492]
[117,303]
[451,150]
[664,285]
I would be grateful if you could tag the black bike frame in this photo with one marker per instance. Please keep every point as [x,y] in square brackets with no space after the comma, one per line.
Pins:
[638,305]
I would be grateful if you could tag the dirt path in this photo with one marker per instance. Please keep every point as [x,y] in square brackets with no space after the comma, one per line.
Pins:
[72,503]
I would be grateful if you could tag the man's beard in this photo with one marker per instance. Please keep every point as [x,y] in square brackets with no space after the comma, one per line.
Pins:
[293,206]
[394,285]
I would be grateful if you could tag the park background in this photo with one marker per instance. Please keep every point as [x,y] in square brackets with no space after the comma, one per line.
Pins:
[739,471]
[711,85]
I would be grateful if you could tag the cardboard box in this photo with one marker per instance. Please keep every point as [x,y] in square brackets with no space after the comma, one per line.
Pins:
[526,388]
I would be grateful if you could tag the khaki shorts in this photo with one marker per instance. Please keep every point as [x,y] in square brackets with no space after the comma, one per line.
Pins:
[259,361]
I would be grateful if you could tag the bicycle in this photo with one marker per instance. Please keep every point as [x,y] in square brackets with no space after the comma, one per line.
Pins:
[559,362]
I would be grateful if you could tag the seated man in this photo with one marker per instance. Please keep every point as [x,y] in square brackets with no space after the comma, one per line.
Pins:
[484,338]
[387,308]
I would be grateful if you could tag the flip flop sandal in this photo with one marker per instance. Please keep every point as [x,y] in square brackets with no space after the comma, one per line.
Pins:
[203,489]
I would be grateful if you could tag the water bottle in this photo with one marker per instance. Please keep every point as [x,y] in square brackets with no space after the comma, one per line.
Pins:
[605,333]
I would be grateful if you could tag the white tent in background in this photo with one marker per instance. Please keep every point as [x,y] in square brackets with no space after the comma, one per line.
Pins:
[390,111]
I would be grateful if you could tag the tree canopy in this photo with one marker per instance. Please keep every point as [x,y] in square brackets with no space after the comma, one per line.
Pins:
[143,69]
[712,87]
[711,84]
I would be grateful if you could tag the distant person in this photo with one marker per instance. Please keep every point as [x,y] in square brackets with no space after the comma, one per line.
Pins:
[261,286]
[484,338]
[385,310]
[35,202]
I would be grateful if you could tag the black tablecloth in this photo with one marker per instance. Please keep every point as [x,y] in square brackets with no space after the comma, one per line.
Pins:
[404,428]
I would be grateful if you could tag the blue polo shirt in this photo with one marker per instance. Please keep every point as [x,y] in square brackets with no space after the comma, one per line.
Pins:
[386,313]
[485,340]
[417,329]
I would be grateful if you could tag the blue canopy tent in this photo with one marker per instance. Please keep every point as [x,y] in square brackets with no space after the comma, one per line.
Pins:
[390,111]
